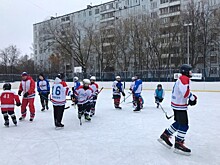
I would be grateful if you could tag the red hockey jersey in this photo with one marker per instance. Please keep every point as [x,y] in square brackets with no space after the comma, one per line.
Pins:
[28,86]
[8,99]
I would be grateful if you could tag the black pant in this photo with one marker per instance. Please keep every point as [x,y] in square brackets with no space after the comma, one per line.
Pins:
[58,114]
[181,117]
[137,99]
[157,99]
[84,109]
[11,113]
[44,99]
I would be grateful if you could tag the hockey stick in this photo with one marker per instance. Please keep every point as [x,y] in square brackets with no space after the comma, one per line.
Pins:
[168,117]
[125,98]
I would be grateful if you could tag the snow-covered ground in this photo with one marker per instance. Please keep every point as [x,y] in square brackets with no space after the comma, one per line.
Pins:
[113,137]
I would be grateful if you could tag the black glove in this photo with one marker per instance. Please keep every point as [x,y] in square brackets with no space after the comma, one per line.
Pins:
[73,89]
[94,97]
[19,92]
[156,99]
[123,94]
[26,94]
[72,96]
[192,103]
[18,104]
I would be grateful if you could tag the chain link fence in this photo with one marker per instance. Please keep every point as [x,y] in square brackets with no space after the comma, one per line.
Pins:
[149,75]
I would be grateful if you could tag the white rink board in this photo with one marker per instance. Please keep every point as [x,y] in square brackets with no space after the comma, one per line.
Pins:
[195,86]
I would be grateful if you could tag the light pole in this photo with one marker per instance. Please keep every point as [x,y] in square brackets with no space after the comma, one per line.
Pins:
[189,24]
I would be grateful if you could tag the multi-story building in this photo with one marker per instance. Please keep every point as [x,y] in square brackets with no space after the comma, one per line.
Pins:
[105,17]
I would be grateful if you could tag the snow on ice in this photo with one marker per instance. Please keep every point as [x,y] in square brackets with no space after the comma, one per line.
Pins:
[113,137]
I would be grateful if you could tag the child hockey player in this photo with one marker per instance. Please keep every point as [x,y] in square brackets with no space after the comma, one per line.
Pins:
[58,98]
[82,98]
[43,87]
[159,95]
[137,89]
[76,83]
[117,90]
[27,86]
[181,98]
[8,99]
[95,88]
[131,88]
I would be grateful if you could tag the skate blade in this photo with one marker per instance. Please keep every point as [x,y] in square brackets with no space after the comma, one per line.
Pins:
[59,128]
[177,151]
[163,143]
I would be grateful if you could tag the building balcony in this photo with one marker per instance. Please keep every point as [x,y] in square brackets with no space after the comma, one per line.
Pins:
[107,11]
[170,14]
[107,19]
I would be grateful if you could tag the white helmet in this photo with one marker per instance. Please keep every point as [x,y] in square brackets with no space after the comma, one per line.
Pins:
[118,78]
[93,78]
[86,82]
[75,78]
[133,78]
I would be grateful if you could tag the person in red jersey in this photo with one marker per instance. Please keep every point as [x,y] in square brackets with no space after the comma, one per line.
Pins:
[27,86]
[8,99]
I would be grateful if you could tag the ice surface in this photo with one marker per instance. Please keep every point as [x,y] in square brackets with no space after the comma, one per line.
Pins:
[113,137]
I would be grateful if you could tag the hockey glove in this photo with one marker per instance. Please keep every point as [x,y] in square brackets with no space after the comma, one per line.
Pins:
[94,97]
[19,92]
[192,103]
[123,94]
[18,104]
[26,94]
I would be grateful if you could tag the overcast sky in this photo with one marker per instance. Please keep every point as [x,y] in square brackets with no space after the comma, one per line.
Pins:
[18,16]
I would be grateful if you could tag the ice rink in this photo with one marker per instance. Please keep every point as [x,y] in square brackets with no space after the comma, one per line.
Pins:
[113,137]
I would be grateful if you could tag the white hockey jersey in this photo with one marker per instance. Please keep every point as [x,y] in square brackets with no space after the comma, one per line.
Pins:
[83,95]
[58,96]
[95,88]
[181,93]
[132,85]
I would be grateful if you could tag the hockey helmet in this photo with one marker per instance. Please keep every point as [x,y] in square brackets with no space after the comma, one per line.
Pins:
[185,69]
[75,78]
[159,86]
[93,78]
[7,86]
[86,82]
[118,78]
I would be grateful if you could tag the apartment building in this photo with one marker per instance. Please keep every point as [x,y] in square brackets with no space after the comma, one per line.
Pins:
[105,16]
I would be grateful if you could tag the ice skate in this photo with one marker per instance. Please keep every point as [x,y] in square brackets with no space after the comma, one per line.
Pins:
[164,139]
[6,123]
[181,149]
[87,118]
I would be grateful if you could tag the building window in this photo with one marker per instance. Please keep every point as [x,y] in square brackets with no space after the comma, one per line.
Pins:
[164,10]
[213,70]
[164,1]
[213,59]
[174,8]
[90,13]
[63,19]
[96,11]
[67,18]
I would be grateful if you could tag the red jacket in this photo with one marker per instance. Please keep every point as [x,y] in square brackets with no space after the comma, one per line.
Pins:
[28,85]
[8,99]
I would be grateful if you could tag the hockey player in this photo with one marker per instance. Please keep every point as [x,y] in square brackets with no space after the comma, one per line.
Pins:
[159,95]
[27,86]
[181,98]
[82,98]
[117,90]
[131,89]
[61,76]
[43,87]
[95,88]
[76,83]
[8,99]
[58,98]
[137,89]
